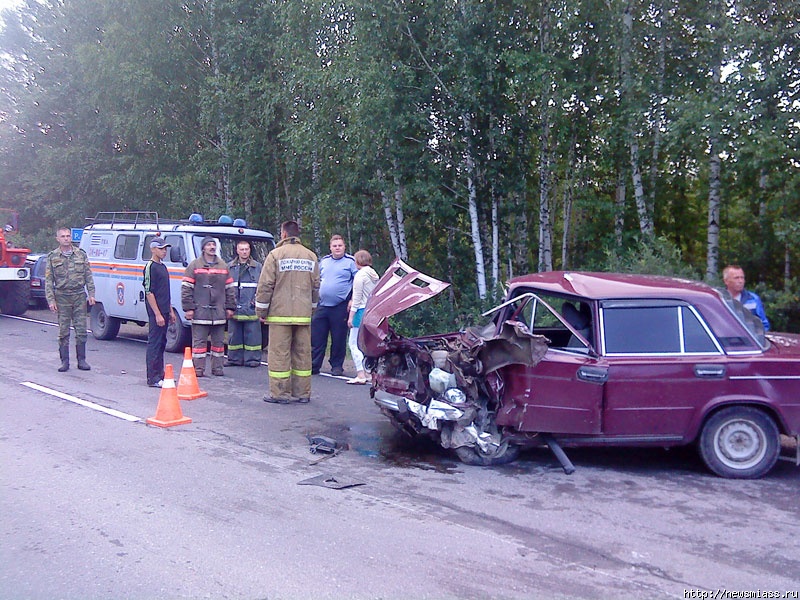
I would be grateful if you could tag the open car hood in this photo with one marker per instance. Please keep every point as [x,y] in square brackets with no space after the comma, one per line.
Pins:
[400,287]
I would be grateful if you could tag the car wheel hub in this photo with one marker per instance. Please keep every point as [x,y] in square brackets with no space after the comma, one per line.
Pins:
[741,445]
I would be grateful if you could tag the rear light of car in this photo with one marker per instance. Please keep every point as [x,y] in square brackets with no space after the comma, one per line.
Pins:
[36,283]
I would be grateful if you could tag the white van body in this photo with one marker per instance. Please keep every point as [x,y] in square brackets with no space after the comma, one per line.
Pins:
[118,247]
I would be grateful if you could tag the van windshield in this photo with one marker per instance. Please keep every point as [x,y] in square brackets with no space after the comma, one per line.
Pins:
[227,251]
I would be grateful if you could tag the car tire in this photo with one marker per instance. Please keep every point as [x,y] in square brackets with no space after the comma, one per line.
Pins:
[103,326]
[14,297]
[178,336]
[474,456]
[740,442]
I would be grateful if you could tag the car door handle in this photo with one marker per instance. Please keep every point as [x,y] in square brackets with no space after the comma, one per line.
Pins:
[709,371]
[593,374]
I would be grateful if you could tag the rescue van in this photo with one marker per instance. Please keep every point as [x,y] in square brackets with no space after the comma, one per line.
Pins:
[118,246]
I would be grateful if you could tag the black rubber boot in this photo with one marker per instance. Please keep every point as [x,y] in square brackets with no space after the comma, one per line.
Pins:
[63,352]
[81,350]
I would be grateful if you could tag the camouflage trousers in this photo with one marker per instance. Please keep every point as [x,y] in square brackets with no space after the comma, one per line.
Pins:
[71,312]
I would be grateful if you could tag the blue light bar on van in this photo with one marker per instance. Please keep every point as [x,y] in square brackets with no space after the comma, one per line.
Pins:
[195,218]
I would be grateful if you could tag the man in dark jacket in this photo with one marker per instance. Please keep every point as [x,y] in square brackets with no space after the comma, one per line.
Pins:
[208,301]
[244,329]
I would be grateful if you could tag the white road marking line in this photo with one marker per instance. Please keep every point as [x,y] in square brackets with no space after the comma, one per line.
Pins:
[86,403]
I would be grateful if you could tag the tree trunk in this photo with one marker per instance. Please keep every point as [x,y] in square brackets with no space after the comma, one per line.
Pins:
[619,209]
[545,225]
[495,242]
[399,194]
[645,222]
[568,197]
[474,216]
[660,113]
[388,214]
[714,168]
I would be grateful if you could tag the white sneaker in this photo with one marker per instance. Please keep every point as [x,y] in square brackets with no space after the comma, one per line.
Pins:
[157,384]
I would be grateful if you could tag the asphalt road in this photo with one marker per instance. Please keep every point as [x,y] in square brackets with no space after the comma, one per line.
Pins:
[96,505]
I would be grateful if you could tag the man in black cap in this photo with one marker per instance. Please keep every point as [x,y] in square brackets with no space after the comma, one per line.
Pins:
[208,299]
[159,310]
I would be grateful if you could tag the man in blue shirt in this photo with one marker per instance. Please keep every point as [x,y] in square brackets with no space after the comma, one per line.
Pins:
[733,276]
[337,270]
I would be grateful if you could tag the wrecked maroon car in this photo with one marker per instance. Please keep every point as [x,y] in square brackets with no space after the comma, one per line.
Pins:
[590,359]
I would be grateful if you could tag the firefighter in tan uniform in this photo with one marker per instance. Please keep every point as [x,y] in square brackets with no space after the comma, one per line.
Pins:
[287,294]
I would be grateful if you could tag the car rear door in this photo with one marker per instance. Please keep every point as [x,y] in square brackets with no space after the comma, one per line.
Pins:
[663,367]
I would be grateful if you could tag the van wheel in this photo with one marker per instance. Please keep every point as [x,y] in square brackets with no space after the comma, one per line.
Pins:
[178,336]
[740,442]
[103,326]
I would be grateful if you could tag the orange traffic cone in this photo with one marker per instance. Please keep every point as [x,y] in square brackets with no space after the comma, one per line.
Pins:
[168,412]
[188,388]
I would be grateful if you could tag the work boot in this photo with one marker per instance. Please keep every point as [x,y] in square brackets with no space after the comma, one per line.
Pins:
[80,348]
[63,352]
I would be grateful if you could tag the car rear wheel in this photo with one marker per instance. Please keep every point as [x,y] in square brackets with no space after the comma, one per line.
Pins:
[103,326]
[740,442]
[178,336]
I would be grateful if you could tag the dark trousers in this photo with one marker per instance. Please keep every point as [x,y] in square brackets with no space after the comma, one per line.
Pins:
[156,342]
[244,341]
[329,320]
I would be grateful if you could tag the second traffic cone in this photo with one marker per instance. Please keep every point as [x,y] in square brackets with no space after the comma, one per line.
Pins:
[188,388]
[168,412]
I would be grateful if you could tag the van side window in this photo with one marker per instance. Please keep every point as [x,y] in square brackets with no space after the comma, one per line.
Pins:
[126,247]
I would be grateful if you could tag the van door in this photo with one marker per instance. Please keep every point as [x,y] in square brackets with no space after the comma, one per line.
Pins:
[113,259]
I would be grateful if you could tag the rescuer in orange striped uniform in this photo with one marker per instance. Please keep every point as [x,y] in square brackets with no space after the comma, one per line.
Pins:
[208,300]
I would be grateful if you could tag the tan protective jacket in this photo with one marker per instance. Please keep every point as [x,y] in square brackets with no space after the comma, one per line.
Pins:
[288,289]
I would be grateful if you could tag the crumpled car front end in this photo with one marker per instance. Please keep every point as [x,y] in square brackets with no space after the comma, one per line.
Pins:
[447,386]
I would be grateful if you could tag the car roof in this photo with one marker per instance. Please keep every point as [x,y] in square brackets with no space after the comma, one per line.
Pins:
[609,286]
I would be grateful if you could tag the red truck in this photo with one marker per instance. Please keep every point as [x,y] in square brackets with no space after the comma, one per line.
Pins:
[14,274]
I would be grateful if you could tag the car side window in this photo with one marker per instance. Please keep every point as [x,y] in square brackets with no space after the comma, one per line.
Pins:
[126,247]
[641,330]
[655,330]
[695,336]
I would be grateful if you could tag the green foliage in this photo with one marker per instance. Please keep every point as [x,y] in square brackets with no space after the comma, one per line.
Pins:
[314,110]
[782,306]
[657,256]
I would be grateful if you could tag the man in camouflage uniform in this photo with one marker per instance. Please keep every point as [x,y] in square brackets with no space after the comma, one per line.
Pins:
[287,294]
[67,281]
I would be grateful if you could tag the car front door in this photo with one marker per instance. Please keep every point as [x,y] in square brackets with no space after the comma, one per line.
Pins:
[562,393]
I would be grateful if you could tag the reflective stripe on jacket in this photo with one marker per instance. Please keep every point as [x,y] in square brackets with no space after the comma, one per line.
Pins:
[207,289]
[245,280]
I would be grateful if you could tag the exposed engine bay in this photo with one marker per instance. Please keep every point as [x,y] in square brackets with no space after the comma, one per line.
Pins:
[450,387]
